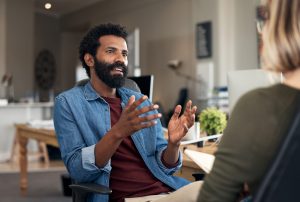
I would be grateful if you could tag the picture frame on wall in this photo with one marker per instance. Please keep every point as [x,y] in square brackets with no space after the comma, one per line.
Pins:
[204,40]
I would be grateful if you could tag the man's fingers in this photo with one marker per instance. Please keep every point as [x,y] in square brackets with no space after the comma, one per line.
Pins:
[135,104]
[188,107]
[147,124]
[176,112]
[191,120]
[185,128]
[145,109]
[131,100]
[194,109]
[142,125]
[149,118]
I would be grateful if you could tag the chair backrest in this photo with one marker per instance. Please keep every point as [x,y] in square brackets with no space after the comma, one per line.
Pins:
[128,84]
[282,181]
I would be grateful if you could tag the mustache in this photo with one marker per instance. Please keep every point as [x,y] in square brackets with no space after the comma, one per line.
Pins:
[119,65]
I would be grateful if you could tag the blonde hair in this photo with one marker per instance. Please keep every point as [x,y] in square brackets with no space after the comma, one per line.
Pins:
[281,36]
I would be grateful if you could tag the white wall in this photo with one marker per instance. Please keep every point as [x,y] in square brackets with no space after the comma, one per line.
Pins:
[234,35]
[203,11]
[20,45]
[2,37]
[245,35]
[226,40]
[167,31]
[69,54]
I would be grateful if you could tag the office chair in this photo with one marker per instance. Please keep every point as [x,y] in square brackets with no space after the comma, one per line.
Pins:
[81,190]
[281,183]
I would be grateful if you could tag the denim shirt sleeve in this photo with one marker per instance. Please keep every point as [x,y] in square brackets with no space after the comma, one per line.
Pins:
[77,156]
[160,147]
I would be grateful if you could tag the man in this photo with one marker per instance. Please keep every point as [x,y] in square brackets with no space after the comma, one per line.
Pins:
[112,135]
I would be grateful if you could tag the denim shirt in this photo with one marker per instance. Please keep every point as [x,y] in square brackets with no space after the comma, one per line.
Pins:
[82,118]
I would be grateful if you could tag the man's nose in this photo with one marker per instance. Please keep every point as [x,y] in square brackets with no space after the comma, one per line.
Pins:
[120,58]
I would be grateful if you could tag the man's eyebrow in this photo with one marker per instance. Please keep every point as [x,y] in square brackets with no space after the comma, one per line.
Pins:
[110,47]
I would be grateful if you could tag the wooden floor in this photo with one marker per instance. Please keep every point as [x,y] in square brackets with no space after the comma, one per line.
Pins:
[33,165]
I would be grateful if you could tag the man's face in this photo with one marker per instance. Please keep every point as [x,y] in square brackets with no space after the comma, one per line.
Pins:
[107,73]
[111,61]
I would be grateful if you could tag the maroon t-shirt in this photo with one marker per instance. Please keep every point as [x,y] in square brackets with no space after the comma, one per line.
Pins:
[130,176]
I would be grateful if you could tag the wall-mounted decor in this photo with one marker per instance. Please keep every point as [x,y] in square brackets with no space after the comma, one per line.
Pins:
[45,70]
[204,40]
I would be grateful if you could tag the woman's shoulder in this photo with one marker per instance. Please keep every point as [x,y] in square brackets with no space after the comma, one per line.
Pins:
[257,101]
[262,95]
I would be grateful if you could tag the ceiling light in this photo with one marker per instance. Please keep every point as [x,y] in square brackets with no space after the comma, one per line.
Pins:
[48,6]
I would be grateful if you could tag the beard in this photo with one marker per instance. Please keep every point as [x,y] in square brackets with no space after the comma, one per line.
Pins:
[103,71]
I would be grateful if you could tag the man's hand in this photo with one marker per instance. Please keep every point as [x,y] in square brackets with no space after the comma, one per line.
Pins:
[177,129]
[179,126]
[131,119]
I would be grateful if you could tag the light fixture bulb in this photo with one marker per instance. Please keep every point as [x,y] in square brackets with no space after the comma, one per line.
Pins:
[48,6]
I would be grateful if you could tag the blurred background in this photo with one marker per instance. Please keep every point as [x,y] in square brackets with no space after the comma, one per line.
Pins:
[39,46]
[189,46]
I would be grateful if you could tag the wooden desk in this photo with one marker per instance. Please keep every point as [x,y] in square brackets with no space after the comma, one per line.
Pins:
[23,133]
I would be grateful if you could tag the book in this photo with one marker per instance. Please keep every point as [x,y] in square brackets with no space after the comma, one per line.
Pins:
[203,160]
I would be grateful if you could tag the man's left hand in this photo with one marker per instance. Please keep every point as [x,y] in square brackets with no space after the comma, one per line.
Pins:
[179,125]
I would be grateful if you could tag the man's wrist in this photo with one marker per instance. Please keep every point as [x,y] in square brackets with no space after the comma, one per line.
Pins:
[171,154]
[174,145]
[168,165]
[116,135]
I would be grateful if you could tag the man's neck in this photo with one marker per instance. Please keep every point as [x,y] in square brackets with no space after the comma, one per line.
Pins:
[102,89]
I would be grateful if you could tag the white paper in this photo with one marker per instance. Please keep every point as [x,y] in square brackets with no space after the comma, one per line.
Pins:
[203,160]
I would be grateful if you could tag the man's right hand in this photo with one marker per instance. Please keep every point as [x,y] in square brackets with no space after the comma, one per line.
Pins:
[132,119]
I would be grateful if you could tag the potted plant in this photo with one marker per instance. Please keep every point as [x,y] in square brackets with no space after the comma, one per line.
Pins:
[212,121]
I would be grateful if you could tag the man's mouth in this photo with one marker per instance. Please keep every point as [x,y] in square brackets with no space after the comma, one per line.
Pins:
[117,70]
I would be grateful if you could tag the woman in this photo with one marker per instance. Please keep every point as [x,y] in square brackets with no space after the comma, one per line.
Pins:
[260,119]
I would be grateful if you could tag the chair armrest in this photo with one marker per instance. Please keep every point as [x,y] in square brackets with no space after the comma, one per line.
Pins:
[90,188]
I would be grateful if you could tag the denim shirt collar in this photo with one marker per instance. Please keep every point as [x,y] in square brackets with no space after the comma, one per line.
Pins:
[91,94]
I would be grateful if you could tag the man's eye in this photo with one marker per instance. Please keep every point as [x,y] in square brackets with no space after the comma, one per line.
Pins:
[109,51]
[125,54]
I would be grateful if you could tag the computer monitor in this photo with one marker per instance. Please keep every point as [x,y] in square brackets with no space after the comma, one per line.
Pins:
[242,81]
[145,83]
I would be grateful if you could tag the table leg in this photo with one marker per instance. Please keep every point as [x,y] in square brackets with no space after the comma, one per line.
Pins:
[23,163]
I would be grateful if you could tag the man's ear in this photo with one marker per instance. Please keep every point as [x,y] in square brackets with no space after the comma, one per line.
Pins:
[89,60]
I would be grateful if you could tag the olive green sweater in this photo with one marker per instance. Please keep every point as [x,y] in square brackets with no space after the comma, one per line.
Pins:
[255,130]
